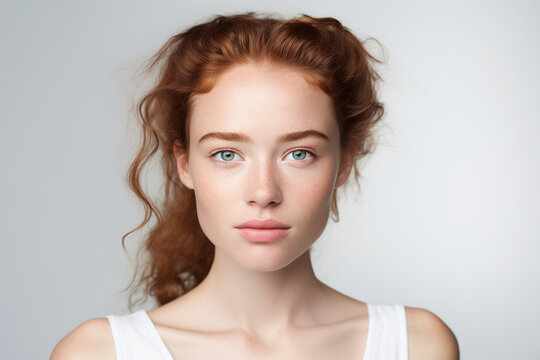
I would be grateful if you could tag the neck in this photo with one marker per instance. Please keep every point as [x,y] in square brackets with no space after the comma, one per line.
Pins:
[263,303]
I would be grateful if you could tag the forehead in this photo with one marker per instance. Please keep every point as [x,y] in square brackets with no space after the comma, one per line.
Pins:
[264,100]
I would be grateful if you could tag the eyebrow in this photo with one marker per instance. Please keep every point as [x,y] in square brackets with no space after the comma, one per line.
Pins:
[231,136]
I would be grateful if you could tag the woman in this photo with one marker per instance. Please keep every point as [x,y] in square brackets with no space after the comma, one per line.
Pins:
[259,122]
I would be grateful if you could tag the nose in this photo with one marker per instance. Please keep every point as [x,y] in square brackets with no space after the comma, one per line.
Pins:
[262,188]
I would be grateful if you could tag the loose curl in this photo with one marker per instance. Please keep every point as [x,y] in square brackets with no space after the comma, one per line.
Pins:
[189,63]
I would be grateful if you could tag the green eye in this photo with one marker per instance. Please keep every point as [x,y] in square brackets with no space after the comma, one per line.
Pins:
[299,154]
[224,155]
[229,155]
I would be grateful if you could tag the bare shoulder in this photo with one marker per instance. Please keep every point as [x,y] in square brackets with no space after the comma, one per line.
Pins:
[92,339]
[429,337]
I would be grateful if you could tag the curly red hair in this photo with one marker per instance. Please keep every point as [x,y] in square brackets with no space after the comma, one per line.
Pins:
[330,56]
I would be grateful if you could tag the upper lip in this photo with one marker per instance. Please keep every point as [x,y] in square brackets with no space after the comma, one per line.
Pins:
[263,224]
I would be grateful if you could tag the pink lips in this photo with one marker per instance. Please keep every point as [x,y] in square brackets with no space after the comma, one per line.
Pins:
[263,230]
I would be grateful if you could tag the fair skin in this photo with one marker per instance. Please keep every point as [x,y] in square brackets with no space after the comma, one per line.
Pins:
[263,300]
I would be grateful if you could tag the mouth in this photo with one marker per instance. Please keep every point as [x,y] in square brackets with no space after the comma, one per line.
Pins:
[263,231]
[262,235]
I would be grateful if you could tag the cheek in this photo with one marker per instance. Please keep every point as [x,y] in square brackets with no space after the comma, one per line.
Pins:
[214,195]
[314,187]
[311,197]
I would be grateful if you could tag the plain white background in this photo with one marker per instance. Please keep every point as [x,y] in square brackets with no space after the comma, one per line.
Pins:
[447,217]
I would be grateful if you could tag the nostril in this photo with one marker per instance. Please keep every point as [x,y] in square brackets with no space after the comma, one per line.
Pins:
[265,196]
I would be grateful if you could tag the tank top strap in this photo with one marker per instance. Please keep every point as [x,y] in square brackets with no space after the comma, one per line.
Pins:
[387,333]
[136,337]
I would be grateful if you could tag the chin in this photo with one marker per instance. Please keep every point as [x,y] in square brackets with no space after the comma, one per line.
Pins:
[267,266]
[264,260]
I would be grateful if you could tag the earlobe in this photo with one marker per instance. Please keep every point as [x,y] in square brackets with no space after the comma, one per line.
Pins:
[182,165]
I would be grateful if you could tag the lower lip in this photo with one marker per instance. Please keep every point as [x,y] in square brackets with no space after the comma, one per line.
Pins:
[263,235]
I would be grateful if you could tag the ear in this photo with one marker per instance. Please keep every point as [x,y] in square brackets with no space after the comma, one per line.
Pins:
[345,167]
[182,164]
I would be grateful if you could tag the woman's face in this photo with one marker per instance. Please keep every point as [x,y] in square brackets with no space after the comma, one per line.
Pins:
[241,167]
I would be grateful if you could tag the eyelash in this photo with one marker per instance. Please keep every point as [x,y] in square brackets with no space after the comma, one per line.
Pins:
[312,155]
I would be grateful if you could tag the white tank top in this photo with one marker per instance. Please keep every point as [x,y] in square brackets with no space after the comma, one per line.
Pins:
[136,337]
